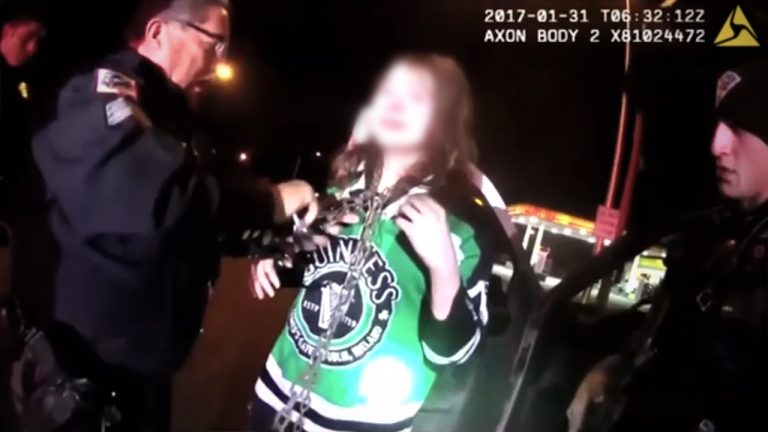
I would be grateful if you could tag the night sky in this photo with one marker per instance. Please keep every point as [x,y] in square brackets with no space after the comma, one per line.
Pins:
[546,114]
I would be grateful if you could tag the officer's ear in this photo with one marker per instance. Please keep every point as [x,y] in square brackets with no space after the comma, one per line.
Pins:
[153,32]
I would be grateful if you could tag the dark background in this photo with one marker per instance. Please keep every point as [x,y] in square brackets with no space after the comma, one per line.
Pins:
[546,114]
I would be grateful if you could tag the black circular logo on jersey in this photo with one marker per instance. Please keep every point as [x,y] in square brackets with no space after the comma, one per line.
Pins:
[318,302]
[367,316]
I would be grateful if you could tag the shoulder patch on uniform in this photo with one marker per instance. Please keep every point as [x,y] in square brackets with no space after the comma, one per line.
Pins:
[111,82]
[121,108]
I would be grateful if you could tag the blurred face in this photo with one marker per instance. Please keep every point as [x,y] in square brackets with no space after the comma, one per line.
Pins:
[402,109]
[193,49]
[20,40]
[742,165]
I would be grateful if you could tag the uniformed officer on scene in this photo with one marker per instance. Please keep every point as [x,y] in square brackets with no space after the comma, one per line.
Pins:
[706,366]
[21,29]
[135,217]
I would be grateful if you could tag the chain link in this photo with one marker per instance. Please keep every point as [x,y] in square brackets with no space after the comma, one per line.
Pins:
[300,399]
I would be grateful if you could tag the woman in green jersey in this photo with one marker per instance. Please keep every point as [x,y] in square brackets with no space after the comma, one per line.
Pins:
[379,316]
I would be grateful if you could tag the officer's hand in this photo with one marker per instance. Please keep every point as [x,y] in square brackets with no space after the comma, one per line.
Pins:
[292,197]
[264,281]
[591,390]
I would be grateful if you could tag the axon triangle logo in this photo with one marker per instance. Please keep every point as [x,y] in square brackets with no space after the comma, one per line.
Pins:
[737,31]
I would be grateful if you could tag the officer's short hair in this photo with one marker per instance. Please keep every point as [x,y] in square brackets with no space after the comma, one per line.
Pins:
[191,10]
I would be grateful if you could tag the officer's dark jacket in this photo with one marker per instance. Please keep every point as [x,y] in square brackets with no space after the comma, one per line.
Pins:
[132,213]
[719,282]
[14,131]
[713,341]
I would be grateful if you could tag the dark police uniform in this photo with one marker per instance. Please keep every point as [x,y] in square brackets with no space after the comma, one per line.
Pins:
[15,161]
[14,133]
[709,369]
[135,220]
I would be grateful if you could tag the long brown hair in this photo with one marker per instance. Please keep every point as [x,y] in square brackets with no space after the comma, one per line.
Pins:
[450,145]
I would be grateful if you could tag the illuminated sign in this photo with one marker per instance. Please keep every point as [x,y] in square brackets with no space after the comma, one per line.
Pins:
[546,215]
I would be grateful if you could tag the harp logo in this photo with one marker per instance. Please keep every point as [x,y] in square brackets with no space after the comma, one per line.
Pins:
[370,310]
[737,31]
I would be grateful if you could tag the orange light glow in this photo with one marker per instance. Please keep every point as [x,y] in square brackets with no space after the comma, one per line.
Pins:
[224,72]
[552,216]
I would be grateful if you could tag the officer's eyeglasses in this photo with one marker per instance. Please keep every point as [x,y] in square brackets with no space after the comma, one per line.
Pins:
[221,41]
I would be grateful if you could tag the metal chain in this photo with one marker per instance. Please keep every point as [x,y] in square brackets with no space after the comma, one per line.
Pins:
[300,398]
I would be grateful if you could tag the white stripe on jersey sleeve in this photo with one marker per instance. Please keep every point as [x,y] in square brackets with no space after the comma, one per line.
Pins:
[480,289]
[459,357]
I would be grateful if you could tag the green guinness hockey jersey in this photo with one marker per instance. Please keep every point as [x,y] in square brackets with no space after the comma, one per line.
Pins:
[387,350]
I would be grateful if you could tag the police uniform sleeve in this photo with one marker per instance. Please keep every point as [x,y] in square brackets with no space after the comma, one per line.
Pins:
[455,339]
[113,178]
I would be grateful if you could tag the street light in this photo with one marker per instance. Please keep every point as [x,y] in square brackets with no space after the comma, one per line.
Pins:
[224,72]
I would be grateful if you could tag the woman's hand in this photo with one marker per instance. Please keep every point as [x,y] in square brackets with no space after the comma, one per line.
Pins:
[264,281]
[424,222]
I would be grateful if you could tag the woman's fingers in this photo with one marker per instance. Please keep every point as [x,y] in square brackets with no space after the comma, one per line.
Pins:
[410,211]
[265,285]
[404,224]
[264,279]
[268,278]
[426,205]
[421,208]
[258,281]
